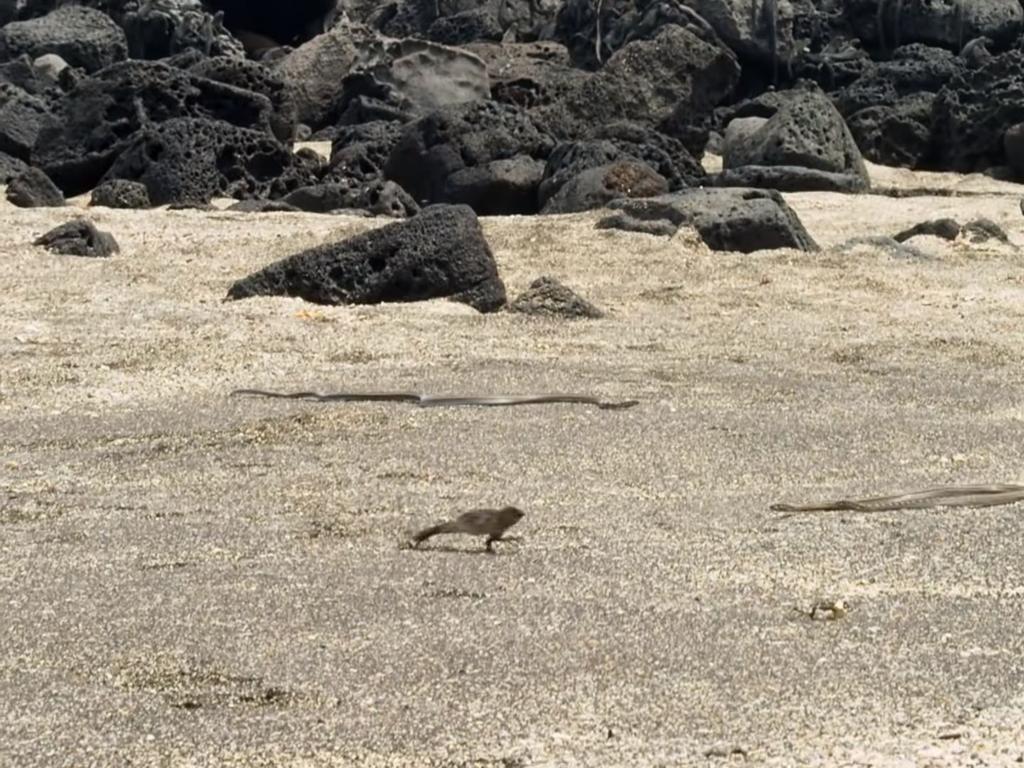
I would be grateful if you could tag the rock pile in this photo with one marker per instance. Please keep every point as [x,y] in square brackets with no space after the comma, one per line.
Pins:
[504,106]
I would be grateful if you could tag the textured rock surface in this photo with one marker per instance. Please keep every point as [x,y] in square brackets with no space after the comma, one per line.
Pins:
[22,117]
[806,131]
[10,167]
[191,159]
[974,110]
[315,69]
[100,116]
[436,153]
[548,297]
[595,187]
[82,36]
[441,252]
[34,189]
[78,237]
[743,220]
[675,78]
[121,193]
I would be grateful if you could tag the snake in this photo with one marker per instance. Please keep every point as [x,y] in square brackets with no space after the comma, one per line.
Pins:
[939,496]
[432,401]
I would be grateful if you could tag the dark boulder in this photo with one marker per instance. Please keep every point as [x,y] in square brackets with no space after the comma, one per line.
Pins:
[596,187]
[439,252]
[457,149]
[671,82]
[806,131]
[547,297]
[376,197]
[465,27]
[889,108]
[263,206]
[973,111]
[100,116]
[885,24]
[22,117]
[500,187]
[159,28]
[788,178]
[82,36]
[668,155]
[898,135]
[34,189]
[742,220]
[11,167]
[121,193]
[256,78]
[315,69]
[196,159]
[360,152]
[78,237]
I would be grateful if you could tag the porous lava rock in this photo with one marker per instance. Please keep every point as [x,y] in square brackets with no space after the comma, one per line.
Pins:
[732,219]
[82,36]
[548,297]
[192,159]
[34,189]
[440,252]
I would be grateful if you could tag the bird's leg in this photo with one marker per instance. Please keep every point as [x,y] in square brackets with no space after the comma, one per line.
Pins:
[490,543]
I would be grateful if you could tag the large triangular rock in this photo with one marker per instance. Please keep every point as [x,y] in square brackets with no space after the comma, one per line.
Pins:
[439,252]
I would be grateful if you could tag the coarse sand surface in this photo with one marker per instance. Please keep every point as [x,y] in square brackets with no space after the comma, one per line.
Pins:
[188,578]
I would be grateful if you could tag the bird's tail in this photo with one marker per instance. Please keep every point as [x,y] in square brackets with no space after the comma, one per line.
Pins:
[433,530]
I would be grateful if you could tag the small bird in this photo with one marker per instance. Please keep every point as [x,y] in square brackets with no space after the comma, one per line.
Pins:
[491,523]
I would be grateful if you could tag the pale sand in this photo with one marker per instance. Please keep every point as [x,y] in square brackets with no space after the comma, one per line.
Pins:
[187,579]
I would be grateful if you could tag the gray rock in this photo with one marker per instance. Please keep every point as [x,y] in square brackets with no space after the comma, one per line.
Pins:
[675,78]
[159,28]
[107,111]
[445,143]
[439,252]
[34,189]
[316,68]
[595,187]
[887,23]
[253,76]
[263,206]
[742,220]
[120,193]
[789,178]
[11,167]
[806,131]
[22,118]
[498,188]
[546,296]
[973,112]
[196,159]
[82,36]
[432,76]
[376,197]
[78,237]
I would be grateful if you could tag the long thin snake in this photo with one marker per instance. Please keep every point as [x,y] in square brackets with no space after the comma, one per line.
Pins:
[430,401]
[940,496]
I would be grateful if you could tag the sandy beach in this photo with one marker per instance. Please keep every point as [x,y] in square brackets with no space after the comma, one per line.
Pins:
[188,578]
